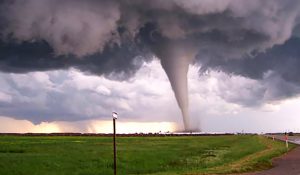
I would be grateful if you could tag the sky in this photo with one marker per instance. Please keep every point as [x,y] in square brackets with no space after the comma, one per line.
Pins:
[163,65]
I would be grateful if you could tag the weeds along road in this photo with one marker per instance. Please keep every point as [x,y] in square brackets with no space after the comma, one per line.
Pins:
[288,164]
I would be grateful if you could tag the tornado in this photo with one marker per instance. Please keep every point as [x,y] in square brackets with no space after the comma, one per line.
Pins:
[176,69]
[175,60]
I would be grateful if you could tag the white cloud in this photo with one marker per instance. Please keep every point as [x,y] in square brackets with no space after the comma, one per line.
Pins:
[72,95]
[103,90]
[9,125]
[73,100]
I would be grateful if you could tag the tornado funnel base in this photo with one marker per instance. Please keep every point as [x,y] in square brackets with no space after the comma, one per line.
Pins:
[192,130]
[188,127]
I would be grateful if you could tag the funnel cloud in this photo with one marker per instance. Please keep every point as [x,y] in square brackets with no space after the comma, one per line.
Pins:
[176,67]
[255,39]
[175,60]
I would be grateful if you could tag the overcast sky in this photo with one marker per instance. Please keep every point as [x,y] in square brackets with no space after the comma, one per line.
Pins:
[230,66]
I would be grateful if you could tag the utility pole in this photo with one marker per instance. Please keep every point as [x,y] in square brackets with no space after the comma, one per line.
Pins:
[115,116]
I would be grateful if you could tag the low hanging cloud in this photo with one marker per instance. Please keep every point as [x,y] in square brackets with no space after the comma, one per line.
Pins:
[277,68]
[253,39]
[90,32]
[72,96]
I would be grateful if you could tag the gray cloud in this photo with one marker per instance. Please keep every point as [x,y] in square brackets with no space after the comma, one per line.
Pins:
[277,69]
[115,62]
[75,27]
[224,30]
[72,95]
[255,39]
[46,98]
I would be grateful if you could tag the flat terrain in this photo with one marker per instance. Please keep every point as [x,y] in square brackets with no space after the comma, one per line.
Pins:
[59,155]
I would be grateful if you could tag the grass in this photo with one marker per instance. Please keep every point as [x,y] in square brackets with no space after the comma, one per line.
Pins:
[20,155]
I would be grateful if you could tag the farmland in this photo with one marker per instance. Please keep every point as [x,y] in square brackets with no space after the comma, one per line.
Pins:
[78,155]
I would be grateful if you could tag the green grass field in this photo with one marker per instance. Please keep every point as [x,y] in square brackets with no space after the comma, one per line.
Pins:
[58,155]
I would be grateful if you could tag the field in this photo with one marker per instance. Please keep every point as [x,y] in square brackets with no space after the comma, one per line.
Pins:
[59,155]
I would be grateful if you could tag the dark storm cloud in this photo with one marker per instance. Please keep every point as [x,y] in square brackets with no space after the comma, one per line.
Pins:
[115,62]
[277,67]
[113,38]
[282,59]
[86,27]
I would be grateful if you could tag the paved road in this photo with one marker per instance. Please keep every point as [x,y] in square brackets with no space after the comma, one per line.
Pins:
[293,139]
[288,164]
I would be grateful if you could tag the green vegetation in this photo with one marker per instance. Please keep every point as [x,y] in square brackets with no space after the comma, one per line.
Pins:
[136,155]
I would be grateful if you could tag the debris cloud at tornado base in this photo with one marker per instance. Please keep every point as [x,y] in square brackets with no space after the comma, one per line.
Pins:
[113,38]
